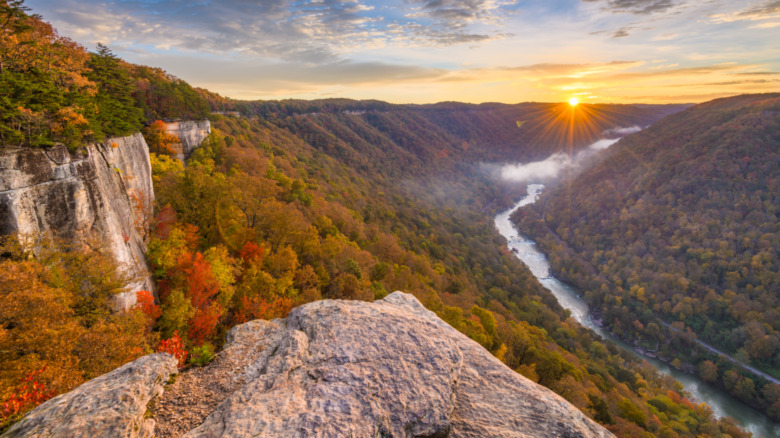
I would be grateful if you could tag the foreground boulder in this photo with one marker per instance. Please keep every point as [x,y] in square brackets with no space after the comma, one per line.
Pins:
[353,369]
[112,405]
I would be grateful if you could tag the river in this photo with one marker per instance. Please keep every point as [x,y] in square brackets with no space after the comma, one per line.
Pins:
[526,250]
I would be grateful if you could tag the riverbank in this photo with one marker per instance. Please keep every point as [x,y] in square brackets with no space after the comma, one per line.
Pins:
[527,251]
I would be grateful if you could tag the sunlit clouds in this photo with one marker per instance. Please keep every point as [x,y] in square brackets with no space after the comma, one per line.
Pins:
[421,51]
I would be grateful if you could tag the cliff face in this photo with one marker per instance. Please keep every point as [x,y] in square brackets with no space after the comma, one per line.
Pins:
[191,134]
[332,368]
[102,193]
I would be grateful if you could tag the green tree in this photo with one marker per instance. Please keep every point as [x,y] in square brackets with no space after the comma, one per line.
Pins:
[117,113]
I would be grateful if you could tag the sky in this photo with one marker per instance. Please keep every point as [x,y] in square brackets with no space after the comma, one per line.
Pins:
[425,51]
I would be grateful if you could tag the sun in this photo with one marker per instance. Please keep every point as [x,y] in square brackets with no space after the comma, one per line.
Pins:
[574,101]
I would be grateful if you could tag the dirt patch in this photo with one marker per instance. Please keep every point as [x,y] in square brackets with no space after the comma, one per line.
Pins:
[197,392]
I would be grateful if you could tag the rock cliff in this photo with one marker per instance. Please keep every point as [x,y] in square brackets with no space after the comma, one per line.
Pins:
[102,193]
[191,134]
[331,369]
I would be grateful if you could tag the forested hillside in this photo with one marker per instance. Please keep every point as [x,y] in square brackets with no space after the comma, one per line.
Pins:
[679,226]
[56,91]
[291,202]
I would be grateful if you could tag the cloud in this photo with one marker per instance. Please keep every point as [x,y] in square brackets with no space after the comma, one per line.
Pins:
[766,10]
[765,25]
[240,75]
[640,7]
[289,30]
[457,14]
[622,32]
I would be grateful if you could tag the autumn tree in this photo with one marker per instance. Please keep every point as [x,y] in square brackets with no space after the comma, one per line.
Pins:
[158,138]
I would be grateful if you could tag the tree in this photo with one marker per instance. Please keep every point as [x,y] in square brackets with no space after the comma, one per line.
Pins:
[174,347]
[117,112]
[708,371]
[158,138]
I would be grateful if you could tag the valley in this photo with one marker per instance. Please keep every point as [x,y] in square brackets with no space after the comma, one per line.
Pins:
[154,230]
[526,250]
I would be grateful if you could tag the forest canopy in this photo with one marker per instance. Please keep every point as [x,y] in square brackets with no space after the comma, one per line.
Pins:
[674,237]
[289,202]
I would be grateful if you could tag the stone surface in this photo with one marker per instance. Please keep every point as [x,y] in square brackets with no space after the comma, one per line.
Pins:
[330,369]
[191,134]
[199,391]
[112,405]
[102,193]
[388,368]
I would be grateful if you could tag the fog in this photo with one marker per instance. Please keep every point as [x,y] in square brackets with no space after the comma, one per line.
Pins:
[551,167]
[621,132]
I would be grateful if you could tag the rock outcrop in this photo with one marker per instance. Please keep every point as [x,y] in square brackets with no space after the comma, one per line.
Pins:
[101,193]
[191,134]
[353,369]
[112,405]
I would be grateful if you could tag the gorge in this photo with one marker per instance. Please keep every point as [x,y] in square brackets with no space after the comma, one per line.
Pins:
[527,251]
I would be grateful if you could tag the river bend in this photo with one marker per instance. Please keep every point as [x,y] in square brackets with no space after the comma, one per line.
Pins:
[526,250]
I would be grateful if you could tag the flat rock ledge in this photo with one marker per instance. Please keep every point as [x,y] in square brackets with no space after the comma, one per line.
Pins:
[334,368]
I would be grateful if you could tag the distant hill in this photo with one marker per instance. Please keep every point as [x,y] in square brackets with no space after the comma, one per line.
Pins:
[401,138]
[283,204]
[680,224]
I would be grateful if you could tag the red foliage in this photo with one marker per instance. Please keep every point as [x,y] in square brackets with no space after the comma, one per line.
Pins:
[203,324]
[251,253]
[28,395]
[164,289]
[259,308]
[201,286]
[679,399]
[174,346]
[164,222]
[146,304]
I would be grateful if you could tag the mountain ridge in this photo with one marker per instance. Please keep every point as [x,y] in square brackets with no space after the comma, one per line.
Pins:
[697,194]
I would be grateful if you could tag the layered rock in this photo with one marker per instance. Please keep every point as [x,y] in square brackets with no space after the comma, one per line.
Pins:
[101,194]
[353,369]
[112,405]
[191,134]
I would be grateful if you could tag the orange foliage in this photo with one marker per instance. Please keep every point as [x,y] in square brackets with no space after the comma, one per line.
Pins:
[158,138]
[251,253]
[147,306]
[174,346]
[677,398]
[191,237]
[203,324]
[201,286]
[29,394]
[259,308]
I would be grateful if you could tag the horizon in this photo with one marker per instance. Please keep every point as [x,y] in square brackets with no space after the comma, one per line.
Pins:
[426,52]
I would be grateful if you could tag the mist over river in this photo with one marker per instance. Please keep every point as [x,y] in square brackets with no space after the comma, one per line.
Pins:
[526,250]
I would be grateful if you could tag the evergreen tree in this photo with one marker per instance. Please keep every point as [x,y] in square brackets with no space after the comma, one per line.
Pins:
[117,111]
